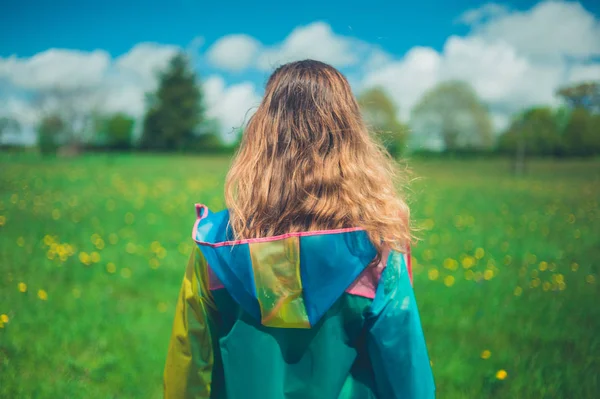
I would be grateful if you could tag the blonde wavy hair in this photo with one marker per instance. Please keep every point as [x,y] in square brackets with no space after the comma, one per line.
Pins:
[307,162]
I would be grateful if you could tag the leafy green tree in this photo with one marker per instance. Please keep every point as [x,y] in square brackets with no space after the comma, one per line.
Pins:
[582,95]
[379,112]
[116,131]
[9,125]
[537,130]
[50,132]
[453,110]
[582,133]
[175,111]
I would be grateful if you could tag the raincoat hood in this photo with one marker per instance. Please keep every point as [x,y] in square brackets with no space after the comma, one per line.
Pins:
[289,280]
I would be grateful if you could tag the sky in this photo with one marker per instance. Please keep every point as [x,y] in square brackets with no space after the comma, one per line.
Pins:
[515,54]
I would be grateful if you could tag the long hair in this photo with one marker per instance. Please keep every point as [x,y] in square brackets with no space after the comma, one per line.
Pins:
[307,162]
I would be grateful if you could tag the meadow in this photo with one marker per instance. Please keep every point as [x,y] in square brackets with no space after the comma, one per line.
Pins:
[93,249]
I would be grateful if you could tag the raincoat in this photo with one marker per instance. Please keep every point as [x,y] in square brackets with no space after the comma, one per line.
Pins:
[295,316]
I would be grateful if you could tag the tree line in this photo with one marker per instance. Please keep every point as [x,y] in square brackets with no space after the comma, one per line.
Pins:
[449,118]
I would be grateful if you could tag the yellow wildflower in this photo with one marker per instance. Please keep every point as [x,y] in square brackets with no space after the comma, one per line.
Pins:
[433,274]
[110,267]
[43,295]
[449,281]
[22,287]
[501,374]
[488,274]
[479,253]
[486,354]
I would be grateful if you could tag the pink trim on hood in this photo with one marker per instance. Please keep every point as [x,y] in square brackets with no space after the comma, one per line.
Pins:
[202,215]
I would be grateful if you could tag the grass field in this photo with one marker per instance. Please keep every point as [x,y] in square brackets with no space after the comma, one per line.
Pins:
[92,252]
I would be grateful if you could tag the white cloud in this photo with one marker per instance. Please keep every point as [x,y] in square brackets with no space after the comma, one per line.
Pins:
[549,29]
[232,105]
[144,61]
[478,15]
[233,52]
[587,72]
[513,59]
[111,85]
[56,67]
[316,41]
[406,80]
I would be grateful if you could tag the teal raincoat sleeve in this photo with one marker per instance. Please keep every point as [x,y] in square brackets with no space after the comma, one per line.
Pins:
[395,340]
[191,357]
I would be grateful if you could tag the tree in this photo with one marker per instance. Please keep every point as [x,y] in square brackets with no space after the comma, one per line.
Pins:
[9,125]
[379,111]
[582,95]
[535,131]
[582,133]
[453,111]
[75,107]
[116,131]
[50,130]
[175,111]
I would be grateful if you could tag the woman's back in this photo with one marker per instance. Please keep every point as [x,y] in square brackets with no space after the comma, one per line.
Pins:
[300,289]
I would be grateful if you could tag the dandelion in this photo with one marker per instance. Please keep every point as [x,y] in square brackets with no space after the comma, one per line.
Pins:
[574,266]
[449,281]
[546,286]
[486,354]
[501,374]
[479,253]
[161,253]
[433,274]
[111,268]
[488,274]
[2,220]
[130,248]
[84,258]
[48,240]
[590,279]
[22,287]
[42,294]
[543,265]
[154,263]
[468,262]
[534,273]
[4,318]
[450,264]
[95,257]
[518,291]
[155,246]
[469,275]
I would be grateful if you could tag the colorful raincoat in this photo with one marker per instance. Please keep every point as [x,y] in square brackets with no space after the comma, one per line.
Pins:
[296,316]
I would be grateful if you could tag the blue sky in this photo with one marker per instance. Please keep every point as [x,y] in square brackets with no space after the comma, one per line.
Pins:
[114,25]
[514,53]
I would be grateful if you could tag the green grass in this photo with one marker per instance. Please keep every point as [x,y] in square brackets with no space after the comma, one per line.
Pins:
[505,265]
